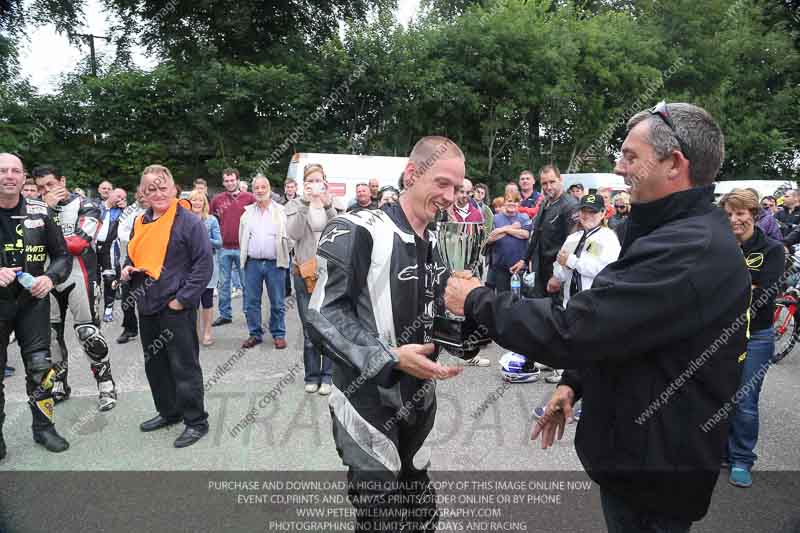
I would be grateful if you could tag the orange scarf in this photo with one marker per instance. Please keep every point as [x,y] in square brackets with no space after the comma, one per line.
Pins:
[148,248]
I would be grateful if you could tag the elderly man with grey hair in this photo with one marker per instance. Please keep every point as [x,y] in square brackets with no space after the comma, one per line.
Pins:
[264,256]
[654,346]
[169,266]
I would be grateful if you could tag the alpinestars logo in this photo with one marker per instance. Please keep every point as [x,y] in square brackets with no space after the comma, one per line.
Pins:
[408,273]
[436,271]
[332,234]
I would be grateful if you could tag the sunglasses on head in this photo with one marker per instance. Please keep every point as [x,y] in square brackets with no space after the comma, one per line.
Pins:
[661,110]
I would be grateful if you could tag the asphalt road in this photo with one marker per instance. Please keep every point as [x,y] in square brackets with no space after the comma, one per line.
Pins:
[293,432]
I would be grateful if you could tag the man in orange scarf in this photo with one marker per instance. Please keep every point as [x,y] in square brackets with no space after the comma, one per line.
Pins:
[170,264]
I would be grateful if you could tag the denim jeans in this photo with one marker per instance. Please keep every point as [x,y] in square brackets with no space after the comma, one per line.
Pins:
[256,273]
[228,260]
[318,368]
[743,432]
[621,518]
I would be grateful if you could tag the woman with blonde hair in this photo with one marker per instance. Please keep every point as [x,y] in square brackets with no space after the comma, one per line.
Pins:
[199,202]
[765,259]
[306,217]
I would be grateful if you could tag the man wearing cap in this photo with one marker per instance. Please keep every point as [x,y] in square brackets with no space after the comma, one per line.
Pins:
[584,254]
[576,191]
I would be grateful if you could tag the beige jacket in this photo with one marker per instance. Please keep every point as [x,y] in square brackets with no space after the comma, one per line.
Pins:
[281,240]
[299,230]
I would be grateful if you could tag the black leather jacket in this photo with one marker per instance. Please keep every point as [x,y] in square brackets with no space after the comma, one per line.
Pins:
[552,224]
[42,240]
[372,295]
[654,347]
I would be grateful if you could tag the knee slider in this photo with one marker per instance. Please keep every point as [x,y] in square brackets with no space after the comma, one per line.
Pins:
[93,342]
[39,363]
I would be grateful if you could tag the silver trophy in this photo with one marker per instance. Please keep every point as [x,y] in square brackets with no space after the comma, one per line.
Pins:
[460,246]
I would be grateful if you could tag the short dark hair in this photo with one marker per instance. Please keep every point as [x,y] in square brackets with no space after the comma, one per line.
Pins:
[229,171]
[201,181]
[45,170]
[575,186]
[483,187]
[550,168]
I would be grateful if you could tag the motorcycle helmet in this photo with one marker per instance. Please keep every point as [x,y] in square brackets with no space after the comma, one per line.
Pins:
[513,366]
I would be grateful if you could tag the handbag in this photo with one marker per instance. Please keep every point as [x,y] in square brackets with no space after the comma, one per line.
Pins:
[308,271]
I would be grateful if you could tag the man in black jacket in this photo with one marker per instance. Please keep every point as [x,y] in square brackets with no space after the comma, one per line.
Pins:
[30,238]
[655,344]
[789,216]
[553,223]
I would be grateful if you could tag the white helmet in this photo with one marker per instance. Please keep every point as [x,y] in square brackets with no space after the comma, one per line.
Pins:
[512,366]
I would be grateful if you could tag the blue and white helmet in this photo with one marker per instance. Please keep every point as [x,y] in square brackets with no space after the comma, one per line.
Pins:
[512,366]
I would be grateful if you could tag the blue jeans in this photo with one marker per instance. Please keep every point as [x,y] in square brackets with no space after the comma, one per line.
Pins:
[318,368]
[743,432]
[256,273]
[228,261]
[621,518]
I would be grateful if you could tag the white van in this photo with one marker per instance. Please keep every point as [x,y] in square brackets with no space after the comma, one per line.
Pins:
[345,171]
[592,181]
[764,187]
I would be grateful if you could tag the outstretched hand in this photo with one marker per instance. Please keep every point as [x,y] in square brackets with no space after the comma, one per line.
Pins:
[413,359]
[556,415]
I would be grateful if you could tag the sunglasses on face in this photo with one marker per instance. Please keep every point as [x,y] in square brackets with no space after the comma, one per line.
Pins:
[661,110]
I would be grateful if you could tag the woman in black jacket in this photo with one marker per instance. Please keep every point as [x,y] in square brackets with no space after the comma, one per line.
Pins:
[765,260]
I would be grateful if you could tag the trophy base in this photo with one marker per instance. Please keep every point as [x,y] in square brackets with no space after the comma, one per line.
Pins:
[461,337]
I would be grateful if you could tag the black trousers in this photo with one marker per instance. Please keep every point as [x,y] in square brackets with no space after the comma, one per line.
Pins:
[129,322]
[104,261]
[502,279]
[32,328]
[172,365]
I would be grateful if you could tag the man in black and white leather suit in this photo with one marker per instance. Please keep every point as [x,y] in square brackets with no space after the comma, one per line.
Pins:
[380,279]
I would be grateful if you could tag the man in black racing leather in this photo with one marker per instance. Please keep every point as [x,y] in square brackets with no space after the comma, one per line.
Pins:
[380,277]
[30,238]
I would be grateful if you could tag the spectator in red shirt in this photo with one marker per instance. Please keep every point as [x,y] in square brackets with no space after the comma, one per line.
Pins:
[228,207]
[530,199]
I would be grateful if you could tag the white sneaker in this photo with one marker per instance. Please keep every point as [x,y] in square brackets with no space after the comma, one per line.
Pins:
[324,389]
[235,293]
[555,377]
[108,315]
[311,388]
[542,366]
[477,361]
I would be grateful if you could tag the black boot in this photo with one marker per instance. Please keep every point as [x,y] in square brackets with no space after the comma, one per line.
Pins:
[44,432]
[2,441]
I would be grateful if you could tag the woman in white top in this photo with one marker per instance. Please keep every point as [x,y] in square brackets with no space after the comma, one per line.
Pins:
[585,253]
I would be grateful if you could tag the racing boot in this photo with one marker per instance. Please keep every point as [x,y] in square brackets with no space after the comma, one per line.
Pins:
[41,403]
[107,390]
[2,441]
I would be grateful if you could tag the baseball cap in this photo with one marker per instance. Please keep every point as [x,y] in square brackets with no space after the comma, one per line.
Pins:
[595,202]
